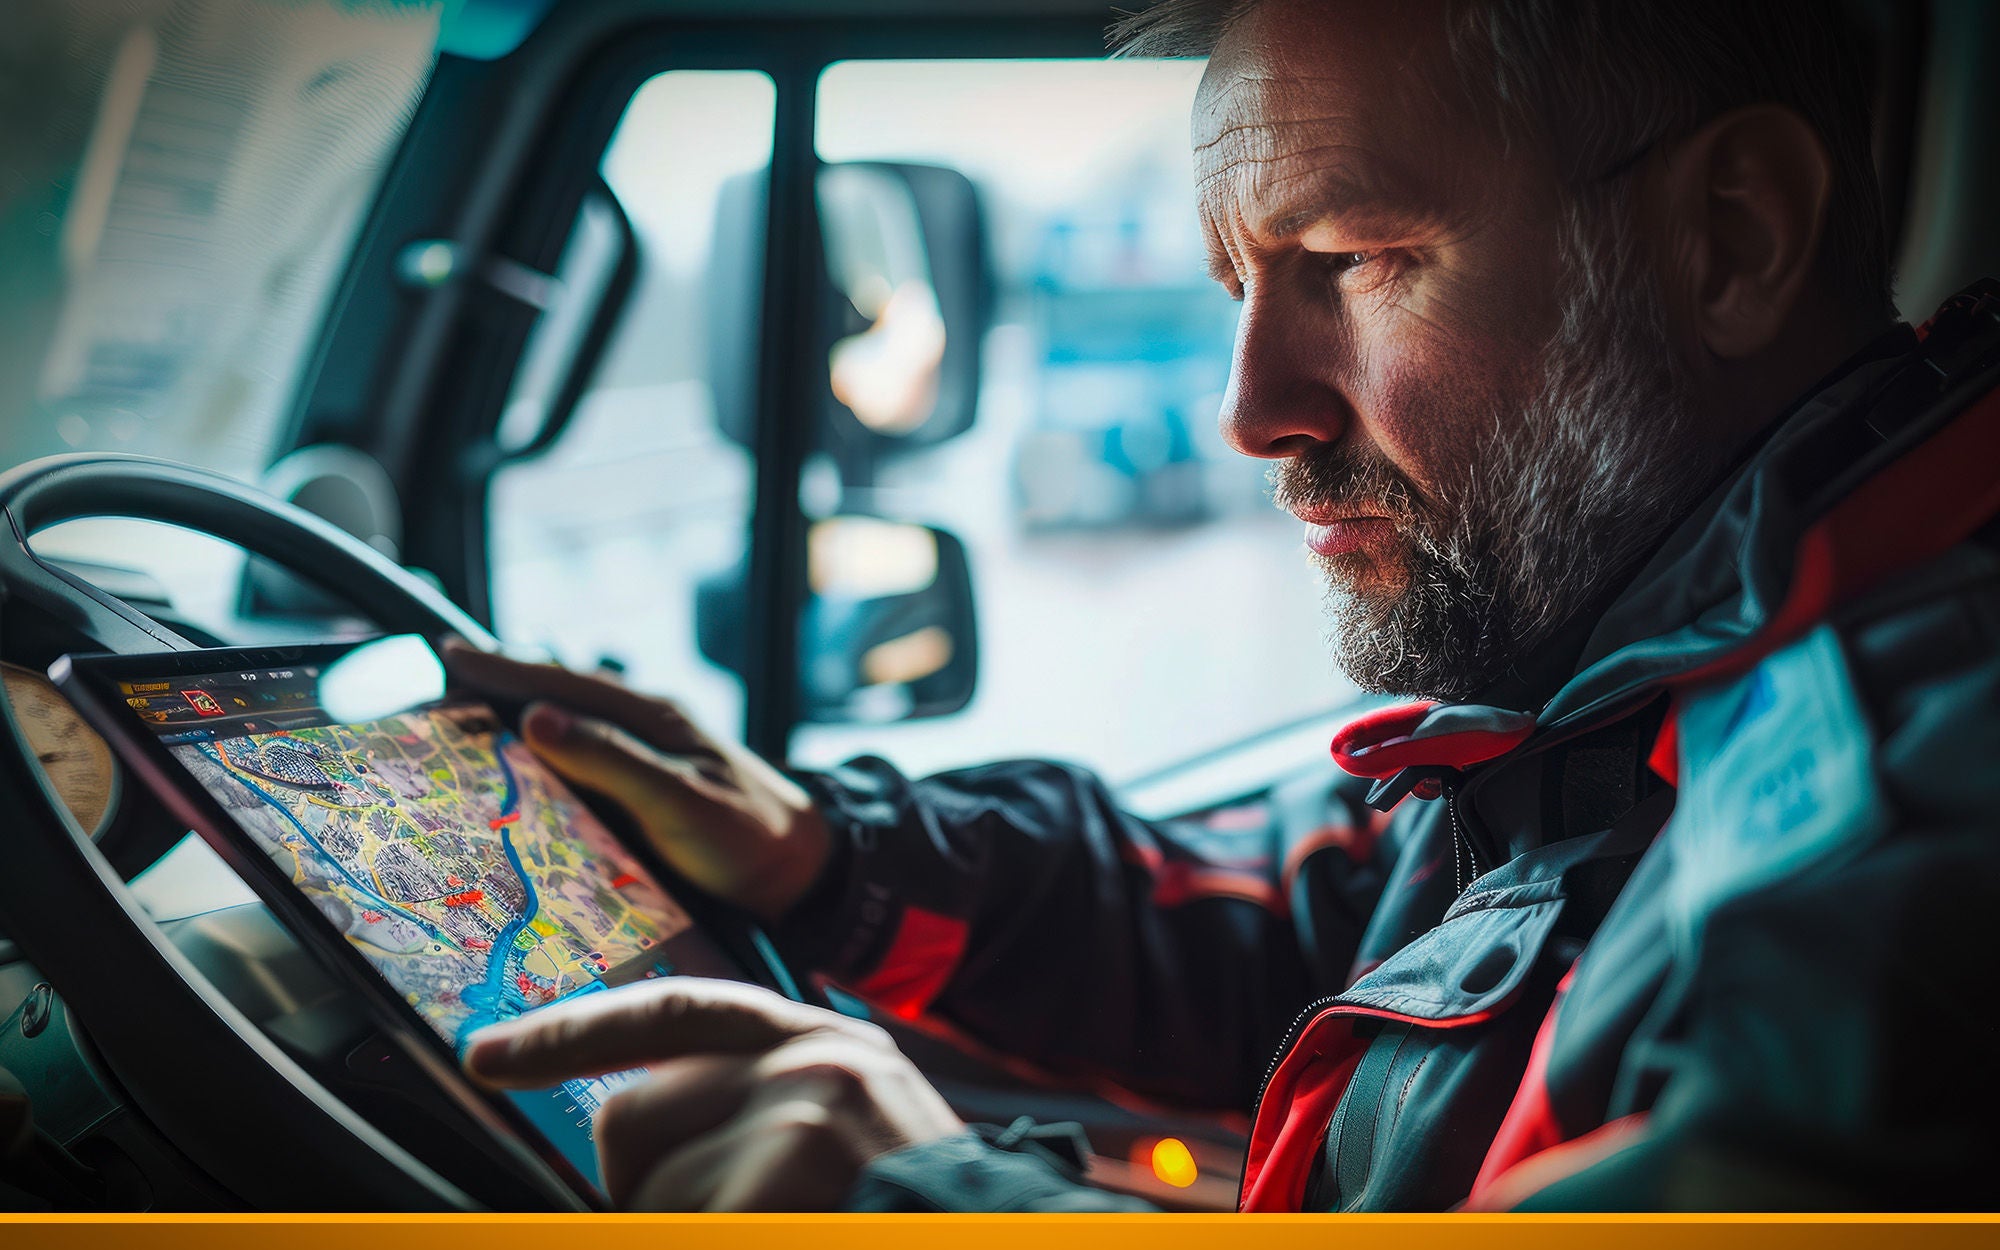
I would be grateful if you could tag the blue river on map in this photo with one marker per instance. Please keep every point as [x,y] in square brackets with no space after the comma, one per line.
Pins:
[488,1000]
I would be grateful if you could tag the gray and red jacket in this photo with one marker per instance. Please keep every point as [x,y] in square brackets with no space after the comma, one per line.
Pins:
[1711,925]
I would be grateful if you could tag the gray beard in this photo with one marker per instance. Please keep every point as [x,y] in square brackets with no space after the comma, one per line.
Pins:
[1567,491]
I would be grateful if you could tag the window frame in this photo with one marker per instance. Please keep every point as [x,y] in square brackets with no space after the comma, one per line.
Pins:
[440,363]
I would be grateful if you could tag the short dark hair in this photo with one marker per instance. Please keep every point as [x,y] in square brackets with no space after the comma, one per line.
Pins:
[1596,81]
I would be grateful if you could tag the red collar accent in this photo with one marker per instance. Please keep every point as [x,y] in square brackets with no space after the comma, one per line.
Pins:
[1428,735]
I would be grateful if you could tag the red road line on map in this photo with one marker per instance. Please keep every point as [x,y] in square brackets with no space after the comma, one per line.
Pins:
[498,821]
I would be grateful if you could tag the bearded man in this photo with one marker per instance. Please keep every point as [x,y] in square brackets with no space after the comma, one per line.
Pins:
[1567,329]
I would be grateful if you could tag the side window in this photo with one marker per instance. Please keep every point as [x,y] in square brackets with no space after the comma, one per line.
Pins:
[1139,600]
[599,547]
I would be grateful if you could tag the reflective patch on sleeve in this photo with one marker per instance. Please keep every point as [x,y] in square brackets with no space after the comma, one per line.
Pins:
[1777,775]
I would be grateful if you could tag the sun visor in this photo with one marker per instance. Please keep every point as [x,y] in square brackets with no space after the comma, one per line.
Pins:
[486,30]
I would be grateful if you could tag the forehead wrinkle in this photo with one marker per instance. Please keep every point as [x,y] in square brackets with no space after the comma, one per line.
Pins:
[1267,128]
[1335,144]
[1339,187]
[1211,96]
[1340,169]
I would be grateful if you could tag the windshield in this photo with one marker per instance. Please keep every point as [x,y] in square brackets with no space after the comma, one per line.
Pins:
[173,226]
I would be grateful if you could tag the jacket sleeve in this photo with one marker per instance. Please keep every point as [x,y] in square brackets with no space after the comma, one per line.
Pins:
[970,1172]
[1017,904]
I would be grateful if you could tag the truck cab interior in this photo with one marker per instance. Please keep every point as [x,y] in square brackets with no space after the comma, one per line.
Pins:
[845,370]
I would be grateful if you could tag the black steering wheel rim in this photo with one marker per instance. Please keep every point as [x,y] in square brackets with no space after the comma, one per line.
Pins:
[221,1086]
[46,492]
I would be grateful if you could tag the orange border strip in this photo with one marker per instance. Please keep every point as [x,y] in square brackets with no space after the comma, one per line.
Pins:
[986,1232]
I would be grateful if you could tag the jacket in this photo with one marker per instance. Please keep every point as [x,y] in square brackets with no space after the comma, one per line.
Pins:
[1705,927]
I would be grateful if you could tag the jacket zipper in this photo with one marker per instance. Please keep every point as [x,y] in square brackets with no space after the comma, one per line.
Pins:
[1299,1023]
[1551,735]
[1318,1005]
[1461,849]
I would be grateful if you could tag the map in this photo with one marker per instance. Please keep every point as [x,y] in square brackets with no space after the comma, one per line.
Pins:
[447,853]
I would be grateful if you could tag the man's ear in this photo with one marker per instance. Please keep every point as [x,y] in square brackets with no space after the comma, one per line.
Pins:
[1745,203]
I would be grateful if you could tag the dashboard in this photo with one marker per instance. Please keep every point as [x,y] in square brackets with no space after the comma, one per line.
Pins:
[74,759]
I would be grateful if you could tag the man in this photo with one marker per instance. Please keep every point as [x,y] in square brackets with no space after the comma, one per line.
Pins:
[1567,329]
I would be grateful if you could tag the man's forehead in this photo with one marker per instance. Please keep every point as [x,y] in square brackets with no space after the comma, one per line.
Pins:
[1284,167]
[1365,42]
[1321,99]
[1246,112]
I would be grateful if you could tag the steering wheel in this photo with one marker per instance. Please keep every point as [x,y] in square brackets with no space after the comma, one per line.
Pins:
[193,1064]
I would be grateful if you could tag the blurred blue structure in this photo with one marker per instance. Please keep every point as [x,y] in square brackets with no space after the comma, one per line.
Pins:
[1133,353]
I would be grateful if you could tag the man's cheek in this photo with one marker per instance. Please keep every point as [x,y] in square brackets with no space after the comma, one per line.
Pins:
[1496,284]
[1475,323]
[1433,414]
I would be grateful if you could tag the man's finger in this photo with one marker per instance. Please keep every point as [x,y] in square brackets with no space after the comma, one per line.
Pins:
[634,1026]
[787,1156]
[655,720]
[678,1102]
[683,813]
[598,755]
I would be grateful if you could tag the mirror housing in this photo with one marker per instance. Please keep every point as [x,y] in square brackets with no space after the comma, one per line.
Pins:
[888,632]
[906,304]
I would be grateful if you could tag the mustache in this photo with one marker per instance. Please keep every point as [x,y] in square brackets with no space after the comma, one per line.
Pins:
[1338,477]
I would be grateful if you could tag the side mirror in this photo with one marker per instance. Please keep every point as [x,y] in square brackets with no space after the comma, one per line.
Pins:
[906,254]
[578,308]
[888,632]
[907,300]
[574,310]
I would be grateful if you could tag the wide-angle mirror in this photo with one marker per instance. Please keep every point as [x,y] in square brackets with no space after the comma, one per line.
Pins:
[887,633]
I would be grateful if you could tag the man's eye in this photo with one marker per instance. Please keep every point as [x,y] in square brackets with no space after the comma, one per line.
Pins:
[1340,264]
[1360,271]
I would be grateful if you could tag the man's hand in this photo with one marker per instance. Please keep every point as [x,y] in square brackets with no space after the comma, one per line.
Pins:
[752,1103]
[726,820]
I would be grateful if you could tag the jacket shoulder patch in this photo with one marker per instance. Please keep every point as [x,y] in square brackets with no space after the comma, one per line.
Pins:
[1777,775]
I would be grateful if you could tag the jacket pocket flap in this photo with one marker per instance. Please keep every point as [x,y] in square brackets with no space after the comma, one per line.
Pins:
[1465,970]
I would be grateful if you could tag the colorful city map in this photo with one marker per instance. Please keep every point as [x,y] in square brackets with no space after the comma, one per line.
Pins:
[449,856]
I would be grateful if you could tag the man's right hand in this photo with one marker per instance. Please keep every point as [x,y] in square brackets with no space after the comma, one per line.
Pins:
[722,817]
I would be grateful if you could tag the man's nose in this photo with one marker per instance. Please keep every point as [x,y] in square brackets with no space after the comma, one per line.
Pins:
[1281,399]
